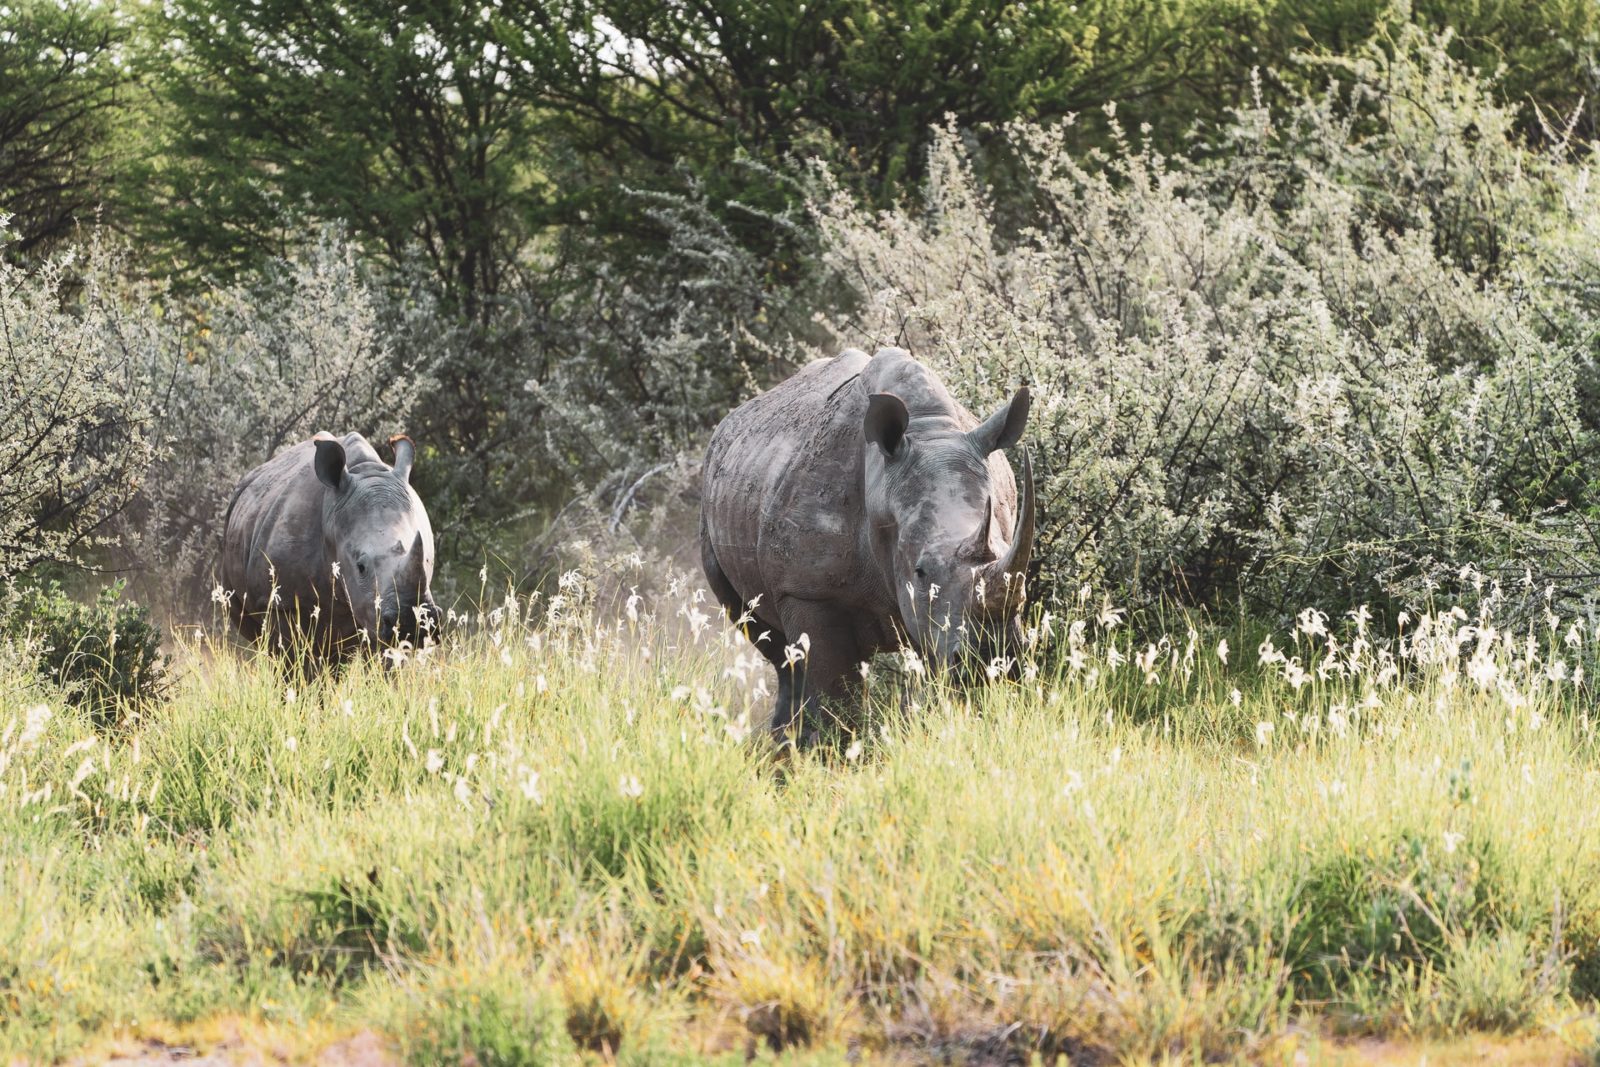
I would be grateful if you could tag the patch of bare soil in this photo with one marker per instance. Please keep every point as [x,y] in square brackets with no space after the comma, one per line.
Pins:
[1478,1050]
[364,1048]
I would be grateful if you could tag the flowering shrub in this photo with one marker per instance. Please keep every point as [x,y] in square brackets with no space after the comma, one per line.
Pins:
[75,438]
[1340,351]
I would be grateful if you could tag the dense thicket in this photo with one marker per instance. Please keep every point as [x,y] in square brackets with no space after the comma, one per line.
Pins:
[1307,287]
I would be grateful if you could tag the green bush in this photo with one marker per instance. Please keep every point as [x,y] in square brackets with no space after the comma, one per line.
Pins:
[1404,902]
[105,655]
[492,1021]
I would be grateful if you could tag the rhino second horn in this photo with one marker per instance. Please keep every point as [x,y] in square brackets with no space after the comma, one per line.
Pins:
[1015,561]
[977,546]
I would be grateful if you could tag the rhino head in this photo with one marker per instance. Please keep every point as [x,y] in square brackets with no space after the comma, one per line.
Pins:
[376,532]
[931,499]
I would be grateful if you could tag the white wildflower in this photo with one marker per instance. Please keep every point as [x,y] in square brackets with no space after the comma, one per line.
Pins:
[1313,623]
[798,651]
[33,724]
[85,769]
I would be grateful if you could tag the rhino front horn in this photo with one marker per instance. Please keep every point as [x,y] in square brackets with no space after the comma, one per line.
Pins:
[1015,561]
[416,563]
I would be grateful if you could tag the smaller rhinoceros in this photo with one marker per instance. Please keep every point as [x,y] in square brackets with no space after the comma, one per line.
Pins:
[856,508]
[328,549]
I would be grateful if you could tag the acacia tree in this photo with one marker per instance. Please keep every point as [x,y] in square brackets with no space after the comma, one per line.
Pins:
[406,122]
[59,92]
[467,133]
[867,81]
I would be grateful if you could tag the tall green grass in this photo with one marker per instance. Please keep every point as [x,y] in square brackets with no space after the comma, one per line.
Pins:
[562,834]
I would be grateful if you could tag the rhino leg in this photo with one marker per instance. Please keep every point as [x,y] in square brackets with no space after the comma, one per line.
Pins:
[249,621]
[728,597]
[723,589]
[833,656]
[772,647]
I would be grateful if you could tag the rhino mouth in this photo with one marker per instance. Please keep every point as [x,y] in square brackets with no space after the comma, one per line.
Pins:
[409,623]
[995,644]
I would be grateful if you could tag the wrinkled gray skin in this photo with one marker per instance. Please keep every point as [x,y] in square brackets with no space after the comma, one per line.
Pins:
[864,507]
[319,503]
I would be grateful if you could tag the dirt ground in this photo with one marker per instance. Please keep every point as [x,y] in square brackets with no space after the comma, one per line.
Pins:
[235,1046]
[231,1044]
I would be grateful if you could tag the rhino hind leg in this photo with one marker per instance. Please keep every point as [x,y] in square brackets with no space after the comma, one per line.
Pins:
[721,588]
[772,647]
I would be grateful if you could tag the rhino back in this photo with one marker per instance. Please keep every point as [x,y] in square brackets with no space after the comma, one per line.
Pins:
[783,508]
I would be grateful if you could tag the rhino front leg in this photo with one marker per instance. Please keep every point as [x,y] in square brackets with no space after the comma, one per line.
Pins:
[830,655]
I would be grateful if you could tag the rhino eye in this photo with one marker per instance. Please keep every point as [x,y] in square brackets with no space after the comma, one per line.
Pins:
[361,567]
[922,574]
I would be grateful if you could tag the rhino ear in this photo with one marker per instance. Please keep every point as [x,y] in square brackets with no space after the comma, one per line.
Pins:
[404,452]
[1004,428]
[329,463]
[886,421]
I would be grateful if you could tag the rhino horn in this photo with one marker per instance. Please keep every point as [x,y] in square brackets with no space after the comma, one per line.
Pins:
[416,572]
[977,546]
[1015,561]
[404,452]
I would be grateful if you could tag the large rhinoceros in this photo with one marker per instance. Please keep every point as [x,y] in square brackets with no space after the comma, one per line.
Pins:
[327,549]
[859,505]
